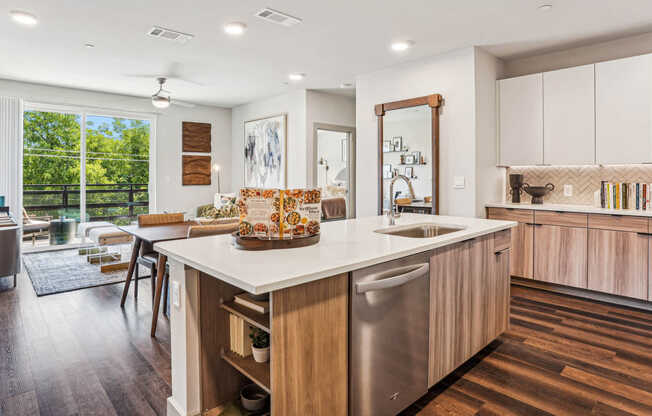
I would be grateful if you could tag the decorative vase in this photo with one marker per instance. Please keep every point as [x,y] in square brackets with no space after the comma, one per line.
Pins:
[261,355]
[253,398]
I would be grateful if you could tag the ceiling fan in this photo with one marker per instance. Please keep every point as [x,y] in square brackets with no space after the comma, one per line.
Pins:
[163,98]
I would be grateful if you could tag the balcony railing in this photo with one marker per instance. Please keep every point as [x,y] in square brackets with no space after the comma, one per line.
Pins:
[104,202]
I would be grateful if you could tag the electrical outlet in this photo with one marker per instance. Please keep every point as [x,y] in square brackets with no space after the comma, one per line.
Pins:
[568,190]
[176,295]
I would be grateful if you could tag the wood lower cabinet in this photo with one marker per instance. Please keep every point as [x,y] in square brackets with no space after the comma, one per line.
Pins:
[618,263]
[521,262]
[309,348]
[522,241]
[560,255]
[469,302]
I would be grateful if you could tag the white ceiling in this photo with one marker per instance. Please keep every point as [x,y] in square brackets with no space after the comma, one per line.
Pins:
[337,40]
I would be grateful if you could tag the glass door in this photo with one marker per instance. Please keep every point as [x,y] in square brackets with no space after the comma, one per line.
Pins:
[117,168]
[80,166]
[334,170]
[51,177]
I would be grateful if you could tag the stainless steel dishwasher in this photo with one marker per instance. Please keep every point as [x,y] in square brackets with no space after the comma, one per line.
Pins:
[389,336]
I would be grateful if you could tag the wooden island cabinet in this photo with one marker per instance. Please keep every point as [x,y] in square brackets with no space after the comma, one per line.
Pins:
[606,253]
[469,306]
[317,321]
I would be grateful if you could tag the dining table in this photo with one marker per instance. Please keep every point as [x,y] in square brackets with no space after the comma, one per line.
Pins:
[153,234]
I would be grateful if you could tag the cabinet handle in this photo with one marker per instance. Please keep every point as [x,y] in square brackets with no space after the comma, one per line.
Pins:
[534,224]
[645,234]
[498,253]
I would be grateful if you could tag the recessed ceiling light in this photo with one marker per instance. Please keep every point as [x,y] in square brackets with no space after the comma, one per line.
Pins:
[545,7]
[402,45]
[296,77]
[89,45]
[24,18]
[235,28]
[346,85]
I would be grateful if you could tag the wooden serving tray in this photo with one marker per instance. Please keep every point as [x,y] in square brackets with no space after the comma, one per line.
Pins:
[253,243]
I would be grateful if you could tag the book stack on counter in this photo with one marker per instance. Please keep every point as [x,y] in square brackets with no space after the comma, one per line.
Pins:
[623,195]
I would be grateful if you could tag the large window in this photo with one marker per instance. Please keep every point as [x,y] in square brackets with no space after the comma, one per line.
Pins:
[85,166]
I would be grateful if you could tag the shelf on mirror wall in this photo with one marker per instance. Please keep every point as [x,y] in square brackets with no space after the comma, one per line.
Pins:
[405,149]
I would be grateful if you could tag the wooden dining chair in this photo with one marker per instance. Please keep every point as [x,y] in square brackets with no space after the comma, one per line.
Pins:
[148,257]
[193,232]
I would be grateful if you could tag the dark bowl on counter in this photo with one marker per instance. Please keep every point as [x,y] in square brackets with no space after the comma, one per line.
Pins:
[538,192]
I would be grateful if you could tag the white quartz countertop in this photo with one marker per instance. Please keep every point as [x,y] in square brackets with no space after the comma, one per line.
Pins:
[586,209]
[344,246]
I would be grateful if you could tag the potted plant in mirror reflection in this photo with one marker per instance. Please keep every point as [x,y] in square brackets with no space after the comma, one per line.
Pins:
[259,345]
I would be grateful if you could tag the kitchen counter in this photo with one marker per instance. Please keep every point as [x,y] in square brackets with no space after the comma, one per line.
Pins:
[586,209]
[345,246]
[311,293]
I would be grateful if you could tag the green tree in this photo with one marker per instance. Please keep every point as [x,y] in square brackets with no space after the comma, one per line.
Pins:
[117,152]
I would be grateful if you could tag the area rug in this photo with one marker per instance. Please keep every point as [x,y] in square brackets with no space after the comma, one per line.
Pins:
[65,270]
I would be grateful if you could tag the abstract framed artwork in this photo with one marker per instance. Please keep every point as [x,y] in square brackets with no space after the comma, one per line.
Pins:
[265,152]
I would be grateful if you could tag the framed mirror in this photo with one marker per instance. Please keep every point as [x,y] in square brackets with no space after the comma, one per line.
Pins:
[408,154]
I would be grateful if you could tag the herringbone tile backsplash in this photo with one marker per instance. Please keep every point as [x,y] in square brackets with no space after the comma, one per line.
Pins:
[585,180]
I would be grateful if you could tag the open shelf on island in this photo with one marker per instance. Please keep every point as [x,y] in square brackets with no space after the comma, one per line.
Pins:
[256,372]
[259,320]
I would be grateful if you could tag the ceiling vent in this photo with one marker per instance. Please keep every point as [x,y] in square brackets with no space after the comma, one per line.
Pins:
[277,17]
[167,34]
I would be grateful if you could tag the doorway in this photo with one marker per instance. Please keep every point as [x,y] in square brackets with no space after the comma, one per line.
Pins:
[334,164]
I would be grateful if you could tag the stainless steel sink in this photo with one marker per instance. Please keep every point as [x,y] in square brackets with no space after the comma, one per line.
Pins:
[421,230]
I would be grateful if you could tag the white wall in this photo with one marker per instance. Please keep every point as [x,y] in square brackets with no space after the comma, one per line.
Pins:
[294,105]
[303,109]
[171,195]
[490,179]
[326,109]
[598,52]
[451,75]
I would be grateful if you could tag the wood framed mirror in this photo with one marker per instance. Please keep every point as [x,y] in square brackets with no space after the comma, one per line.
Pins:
[408,147]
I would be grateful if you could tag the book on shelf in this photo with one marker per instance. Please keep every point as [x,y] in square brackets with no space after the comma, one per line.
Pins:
[245,299]
[239,330]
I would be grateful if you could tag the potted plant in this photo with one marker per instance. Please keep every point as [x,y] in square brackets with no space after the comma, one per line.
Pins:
[259,345]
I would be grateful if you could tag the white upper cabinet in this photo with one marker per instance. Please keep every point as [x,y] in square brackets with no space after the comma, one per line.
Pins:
[521,120]
[623,110]
[569,116]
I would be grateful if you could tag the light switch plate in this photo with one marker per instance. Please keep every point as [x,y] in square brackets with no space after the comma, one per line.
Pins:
[459,182]
[176,295]
[568,190]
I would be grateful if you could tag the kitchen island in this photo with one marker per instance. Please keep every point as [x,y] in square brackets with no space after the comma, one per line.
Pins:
[313,345]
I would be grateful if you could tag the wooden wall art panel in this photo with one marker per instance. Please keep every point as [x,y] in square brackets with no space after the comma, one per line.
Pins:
[196,170]
[196,137]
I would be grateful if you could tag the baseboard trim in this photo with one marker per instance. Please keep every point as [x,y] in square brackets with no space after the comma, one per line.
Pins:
[584,293]
[174,410]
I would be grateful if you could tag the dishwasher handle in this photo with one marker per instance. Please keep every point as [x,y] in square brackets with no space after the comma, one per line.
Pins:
[409,273]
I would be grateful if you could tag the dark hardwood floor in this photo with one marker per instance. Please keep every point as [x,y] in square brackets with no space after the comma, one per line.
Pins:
[78,353]
[562,356]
